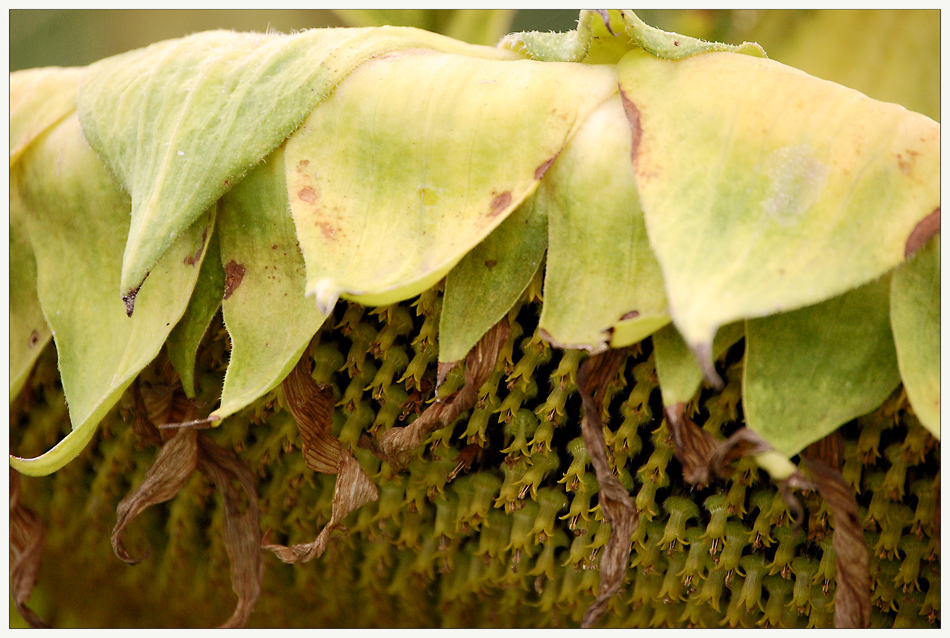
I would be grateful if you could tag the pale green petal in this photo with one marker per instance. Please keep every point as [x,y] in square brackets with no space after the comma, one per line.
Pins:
[39,98]
[678,371]
[765,189]
[915,318]
[265,310]
[417,157]
[184,339]
[29,332]
[181,121]
[490,279]
[601,275]
[811,370]
[78,220]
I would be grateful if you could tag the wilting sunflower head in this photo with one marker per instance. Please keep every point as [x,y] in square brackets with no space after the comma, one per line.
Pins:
[613,326]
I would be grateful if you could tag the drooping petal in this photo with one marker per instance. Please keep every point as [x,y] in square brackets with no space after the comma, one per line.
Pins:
[796,192]
[396,444]
[811,370]
[915,320]
[269,319]
[79,256]
[603,286]
[489,280]
[619,508]
[181,121]
[852,557]
[312,408]
[27,539]
[416,157]
[242,531]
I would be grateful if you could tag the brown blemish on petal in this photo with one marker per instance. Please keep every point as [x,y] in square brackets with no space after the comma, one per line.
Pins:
[543,168]
[490,264]
[500,203]
[924,230]
[233,274]
[191,260]
[636,131]
[302,164]
[129,298]
[327,229]
[633,314]
[307,194]
[906,163]
[34,339]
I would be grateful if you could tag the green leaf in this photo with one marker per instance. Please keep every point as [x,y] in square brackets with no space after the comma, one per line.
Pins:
[602,286]
[266,313]
[29,332]
[78,219]
[181,121]
[788,195]
[186,336]
[678,371]
[39,98]
[417,157]
[490,279]
[915,320]
[811,370]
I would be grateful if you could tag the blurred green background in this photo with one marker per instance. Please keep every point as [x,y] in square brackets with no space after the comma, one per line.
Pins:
[890,55]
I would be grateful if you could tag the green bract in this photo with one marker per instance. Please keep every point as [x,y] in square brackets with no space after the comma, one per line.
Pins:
[666,186]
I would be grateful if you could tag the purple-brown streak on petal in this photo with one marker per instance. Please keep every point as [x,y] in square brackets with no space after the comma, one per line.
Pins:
[636,130]
[924,230]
